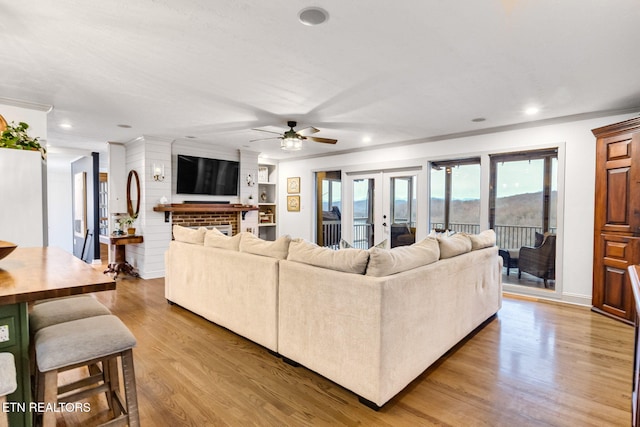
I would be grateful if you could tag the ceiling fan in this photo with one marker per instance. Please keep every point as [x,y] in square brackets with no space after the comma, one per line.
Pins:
[292,139]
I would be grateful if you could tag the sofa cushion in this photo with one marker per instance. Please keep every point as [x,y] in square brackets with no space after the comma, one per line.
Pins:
[384,262]
[454,245]
[189,235]
[484,239]
[350,260]
[252,244]
[217,239]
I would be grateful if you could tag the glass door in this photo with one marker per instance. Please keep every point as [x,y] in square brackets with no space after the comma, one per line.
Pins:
[382,209]
[401,205]
[523,213]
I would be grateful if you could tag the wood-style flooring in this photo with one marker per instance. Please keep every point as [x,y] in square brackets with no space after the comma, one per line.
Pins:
[535,364]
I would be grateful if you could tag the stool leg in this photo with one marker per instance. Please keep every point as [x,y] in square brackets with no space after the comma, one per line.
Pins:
[129,377]
[111,378]
[50,394]
[4,419]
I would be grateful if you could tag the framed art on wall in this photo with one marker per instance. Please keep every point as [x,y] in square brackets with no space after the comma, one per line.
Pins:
[293,203]
[293,185]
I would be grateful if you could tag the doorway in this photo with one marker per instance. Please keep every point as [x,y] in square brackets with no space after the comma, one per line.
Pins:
[381,209]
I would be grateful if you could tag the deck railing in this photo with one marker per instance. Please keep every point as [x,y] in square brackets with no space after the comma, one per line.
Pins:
[507,236]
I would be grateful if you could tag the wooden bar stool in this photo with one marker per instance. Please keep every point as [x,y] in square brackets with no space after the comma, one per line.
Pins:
[7,382]
[83,342]
[60,310]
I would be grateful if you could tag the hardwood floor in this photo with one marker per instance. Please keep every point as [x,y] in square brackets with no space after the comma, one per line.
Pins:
[535,364]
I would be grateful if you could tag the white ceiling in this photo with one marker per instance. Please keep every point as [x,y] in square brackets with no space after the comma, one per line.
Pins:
[391,71]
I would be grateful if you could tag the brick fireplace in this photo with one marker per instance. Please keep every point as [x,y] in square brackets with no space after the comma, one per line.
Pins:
[202,219]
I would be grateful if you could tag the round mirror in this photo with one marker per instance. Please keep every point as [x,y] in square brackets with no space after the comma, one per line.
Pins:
[133,193]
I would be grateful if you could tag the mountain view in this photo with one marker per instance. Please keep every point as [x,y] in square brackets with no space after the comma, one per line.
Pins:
[521,209]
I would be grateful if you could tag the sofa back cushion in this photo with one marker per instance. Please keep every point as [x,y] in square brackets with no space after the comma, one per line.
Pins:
[217,239]
[350,260]
[189,235]
[484,239]
[384,262]
[252,244]
[454,245]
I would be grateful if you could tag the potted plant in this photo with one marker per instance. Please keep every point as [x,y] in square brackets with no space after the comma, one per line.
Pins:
[16,137]
[126,222]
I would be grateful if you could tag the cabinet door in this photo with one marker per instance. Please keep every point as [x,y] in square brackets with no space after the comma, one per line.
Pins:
[618,184]
[611,283]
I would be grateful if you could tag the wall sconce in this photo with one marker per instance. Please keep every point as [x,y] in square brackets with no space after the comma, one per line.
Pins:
[250,181]
[158,172]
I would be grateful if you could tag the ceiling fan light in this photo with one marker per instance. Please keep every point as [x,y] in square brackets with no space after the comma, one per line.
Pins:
[291,144]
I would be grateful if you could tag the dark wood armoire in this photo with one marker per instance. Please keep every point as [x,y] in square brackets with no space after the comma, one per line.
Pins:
[617,218]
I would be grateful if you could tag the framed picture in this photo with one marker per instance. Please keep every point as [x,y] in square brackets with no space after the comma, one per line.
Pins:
[263,174]
[293,203]
[293,185]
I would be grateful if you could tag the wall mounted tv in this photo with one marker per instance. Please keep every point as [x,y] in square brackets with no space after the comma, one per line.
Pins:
[199,175]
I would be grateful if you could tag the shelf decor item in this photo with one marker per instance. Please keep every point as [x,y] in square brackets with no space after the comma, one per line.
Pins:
[293,185]
[263,196]
[263,174]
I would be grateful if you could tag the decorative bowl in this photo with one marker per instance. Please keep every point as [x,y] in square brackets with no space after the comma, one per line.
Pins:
[6,248]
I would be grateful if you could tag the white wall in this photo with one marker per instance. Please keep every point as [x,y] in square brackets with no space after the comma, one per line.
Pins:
[579,184]
[23,207]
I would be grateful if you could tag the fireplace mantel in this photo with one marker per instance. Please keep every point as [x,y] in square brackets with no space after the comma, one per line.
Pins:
[203,208]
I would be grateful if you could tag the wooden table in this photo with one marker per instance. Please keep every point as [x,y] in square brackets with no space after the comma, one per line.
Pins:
[31,274]
[120,263]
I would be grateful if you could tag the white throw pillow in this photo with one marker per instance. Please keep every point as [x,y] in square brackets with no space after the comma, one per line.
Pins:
[454,245]
[383,262]
[217,239]
[189,235]
[252,244]
[346,245]
[350,260]
[484,239]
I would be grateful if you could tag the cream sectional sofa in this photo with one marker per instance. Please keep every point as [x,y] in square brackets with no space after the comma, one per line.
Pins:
[371,321]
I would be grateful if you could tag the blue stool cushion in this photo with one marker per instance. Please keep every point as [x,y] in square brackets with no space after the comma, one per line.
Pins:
[78,341]
[64,310]
[7,374]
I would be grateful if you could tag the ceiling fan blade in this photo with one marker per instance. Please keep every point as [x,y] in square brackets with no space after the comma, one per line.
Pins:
[264,139]
[308,131]
[322,140]
[269,131]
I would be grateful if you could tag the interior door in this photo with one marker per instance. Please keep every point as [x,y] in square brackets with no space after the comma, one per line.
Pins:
[380,209]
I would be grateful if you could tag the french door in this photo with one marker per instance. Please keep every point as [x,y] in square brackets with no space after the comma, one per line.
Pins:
[380,209]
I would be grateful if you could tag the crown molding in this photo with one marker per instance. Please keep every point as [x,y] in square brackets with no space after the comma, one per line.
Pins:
[26,104]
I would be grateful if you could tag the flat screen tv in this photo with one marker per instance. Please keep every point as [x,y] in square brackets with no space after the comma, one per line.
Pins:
[199,175]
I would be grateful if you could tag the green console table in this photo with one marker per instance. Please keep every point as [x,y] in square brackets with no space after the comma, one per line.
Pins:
[27,275]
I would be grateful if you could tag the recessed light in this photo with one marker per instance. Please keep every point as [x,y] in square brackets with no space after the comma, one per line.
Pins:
[65,126]
[313,16]
[478,119]
[191,137]
[124,126]
[531,111]
[366,139]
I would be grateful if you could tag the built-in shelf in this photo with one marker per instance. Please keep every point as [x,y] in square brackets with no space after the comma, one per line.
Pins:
[267,196]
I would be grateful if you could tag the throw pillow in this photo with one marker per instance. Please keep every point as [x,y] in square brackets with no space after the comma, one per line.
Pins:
[252,244]
[454,245]
[484,239]
[384,262]
[189,235]
[349,260]
[216,239]
[346,245]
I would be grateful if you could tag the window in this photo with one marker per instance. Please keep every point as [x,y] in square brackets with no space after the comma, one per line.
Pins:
[455,195]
